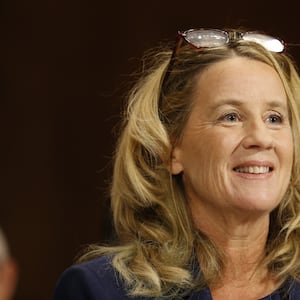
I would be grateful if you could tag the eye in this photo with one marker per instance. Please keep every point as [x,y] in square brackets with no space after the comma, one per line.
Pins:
[230,117]
[275,119]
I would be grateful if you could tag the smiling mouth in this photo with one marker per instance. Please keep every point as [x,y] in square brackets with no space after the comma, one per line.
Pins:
[254,169]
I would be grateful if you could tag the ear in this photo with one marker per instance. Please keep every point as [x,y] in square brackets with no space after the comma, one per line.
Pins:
[176,164]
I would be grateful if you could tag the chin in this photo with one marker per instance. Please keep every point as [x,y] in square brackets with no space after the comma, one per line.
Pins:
[261,205]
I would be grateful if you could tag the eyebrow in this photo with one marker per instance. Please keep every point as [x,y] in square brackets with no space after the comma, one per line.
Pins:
[223,102]
[238,103]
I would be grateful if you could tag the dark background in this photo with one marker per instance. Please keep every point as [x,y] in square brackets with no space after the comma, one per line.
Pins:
[65,66]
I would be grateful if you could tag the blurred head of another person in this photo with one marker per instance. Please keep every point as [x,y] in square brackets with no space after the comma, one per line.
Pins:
[8,271]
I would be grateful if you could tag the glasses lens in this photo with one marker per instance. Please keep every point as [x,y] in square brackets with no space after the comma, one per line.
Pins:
[269,42]
[202,38]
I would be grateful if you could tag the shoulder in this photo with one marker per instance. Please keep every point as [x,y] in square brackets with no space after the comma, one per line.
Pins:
[289,290]
[98,280]
[296,290]
[95,279]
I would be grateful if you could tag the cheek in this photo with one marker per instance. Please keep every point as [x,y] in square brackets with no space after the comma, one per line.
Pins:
[286,163]
[206,161]
[211,150]
[285,150]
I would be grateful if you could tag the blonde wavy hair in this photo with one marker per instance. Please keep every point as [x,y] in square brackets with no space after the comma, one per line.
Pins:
[157,238]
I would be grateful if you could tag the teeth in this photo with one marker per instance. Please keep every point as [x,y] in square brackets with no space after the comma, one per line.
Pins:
[253,169]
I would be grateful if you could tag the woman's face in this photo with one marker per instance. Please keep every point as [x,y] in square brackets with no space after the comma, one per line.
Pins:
[236,151]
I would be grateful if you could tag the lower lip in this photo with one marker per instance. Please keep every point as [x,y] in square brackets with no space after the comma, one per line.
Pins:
[254,176]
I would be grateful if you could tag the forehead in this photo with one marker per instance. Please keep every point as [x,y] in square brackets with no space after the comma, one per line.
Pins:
[239,78]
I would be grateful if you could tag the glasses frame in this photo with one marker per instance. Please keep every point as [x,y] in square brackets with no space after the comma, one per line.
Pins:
[232,36]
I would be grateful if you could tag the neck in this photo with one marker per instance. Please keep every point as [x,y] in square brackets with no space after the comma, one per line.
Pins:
[242,241]
[242,259]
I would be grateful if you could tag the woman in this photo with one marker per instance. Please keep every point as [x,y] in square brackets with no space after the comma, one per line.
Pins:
[205,192]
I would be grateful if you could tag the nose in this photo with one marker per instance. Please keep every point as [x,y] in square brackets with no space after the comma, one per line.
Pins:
[257,135]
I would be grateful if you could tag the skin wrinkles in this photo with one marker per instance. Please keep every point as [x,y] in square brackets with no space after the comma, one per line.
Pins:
[272,109]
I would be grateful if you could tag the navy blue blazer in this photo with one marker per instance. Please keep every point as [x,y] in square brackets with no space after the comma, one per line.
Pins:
[97,280]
